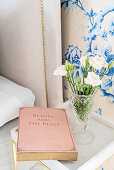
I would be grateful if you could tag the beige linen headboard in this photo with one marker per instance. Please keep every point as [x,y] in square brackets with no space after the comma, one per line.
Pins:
[21,47]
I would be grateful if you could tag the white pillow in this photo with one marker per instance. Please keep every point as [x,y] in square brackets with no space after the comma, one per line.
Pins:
[12,97]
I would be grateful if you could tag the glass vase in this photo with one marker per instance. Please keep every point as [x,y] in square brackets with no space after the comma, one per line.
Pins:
[82,106]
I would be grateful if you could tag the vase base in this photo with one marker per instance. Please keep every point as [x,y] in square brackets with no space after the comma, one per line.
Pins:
[83,138]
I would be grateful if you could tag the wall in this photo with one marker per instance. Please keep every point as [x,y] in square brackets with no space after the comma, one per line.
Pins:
[77,19]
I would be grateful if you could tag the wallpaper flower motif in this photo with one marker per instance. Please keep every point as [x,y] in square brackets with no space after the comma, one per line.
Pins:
[73,55]
[95,30]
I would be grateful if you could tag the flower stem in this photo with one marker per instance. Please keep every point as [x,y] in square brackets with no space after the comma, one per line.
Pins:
[101,76]
[72,86]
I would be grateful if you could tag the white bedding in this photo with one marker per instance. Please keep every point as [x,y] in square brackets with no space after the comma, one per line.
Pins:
[12,97]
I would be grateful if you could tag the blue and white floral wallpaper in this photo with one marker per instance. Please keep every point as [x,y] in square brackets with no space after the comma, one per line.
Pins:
[88,28]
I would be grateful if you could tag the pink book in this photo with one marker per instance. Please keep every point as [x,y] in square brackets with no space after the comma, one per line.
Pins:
[44,134]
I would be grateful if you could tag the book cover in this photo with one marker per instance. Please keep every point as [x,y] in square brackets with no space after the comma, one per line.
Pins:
[44,134]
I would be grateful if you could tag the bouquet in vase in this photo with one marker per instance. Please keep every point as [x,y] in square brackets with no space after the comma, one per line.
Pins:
[84,82]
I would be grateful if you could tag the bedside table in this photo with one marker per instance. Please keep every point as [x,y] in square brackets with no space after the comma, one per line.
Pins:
[90,156]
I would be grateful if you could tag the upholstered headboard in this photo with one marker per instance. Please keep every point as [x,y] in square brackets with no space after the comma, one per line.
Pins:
[21,46]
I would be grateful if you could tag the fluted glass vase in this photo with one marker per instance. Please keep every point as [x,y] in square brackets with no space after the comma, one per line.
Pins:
[82,106]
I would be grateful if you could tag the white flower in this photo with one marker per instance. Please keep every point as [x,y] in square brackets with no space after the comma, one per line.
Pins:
[98,62]
[60,71]
[83,60]
[93,79]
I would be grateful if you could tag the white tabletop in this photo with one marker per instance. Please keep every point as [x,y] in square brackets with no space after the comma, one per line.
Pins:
[102,129]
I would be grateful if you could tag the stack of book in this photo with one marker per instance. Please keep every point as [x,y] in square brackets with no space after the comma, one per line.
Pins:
[44,134]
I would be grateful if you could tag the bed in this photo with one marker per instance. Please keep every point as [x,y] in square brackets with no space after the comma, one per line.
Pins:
[12,97]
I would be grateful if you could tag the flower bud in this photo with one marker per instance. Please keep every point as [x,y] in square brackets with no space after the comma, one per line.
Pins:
[110,65]
[67,66]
